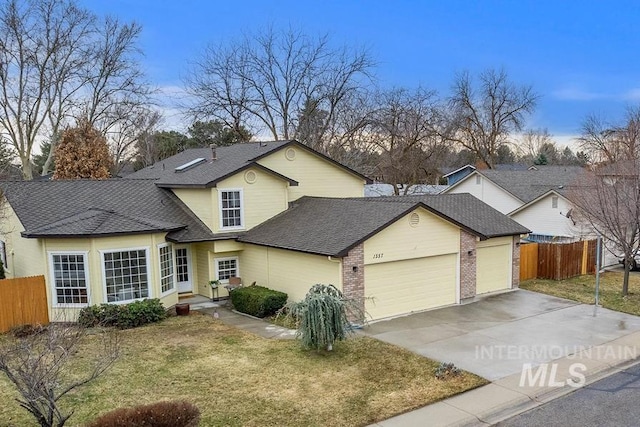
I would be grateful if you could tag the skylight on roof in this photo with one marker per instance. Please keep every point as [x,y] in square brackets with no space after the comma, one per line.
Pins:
[187,165]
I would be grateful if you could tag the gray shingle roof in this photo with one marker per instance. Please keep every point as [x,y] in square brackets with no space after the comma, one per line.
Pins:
[102,208]
[229,160]
[329,226]
[528,185]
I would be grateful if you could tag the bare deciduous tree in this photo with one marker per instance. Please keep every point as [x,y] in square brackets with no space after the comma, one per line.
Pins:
[40,367]
[403,129]
[58,63]
[485,115]
[39,44]
[531,143]
[608,142]
[267,80]
[609,200]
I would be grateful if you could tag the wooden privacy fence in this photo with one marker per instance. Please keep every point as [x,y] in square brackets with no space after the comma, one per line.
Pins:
[557,261]
[528,261]
[23,301]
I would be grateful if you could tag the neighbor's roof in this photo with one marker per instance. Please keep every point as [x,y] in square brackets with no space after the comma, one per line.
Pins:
[380,189]
[229,161]
[527,185]
[328,226]
[91,208]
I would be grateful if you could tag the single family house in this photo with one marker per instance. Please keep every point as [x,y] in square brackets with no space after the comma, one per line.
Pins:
[276,213]
[538,198]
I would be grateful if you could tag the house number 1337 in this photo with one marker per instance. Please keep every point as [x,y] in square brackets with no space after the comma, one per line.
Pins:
[377,256]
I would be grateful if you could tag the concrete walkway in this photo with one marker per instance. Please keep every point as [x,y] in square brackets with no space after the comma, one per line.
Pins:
[248,323]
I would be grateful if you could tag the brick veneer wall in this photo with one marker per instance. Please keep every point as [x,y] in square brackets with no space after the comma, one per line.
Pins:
[515,263]
[353,281]
[467,265]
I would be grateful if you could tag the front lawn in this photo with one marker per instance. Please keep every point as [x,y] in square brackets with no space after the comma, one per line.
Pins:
[239,379]
[582,289]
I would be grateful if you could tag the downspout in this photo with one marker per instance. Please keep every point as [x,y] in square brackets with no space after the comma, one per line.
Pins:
[340,270]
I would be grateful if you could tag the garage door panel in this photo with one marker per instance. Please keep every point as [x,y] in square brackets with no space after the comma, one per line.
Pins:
[401,287]
[493,267]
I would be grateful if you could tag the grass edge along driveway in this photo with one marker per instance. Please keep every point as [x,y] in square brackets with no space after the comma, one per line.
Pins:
[239,379]
[582,289]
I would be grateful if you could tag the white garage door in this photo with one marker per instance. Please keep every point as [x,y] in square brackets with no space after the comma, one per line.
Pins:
[400,287]
[493,269]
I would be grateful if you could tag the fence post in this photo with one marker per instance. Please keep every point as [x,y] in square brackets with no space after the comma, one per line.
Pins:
[585,257]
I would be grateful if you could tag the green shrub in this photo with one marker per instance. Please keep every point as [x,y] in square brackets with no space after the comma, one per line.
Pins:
[140,313]
[257,300]
[323,316]
[162,414]
[125,316]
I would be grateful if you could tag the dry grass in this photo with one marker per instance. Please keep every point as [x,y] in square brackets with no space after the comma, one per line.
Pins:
[239,379]
[582,289]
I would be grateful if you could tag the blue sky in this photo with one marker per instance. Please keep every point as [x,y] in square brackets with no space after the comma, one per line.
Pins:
[581,56]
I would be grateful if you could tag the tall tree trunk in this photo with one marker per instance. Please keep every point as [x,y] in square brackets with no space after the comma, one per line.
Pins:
[625,280]
[27,172]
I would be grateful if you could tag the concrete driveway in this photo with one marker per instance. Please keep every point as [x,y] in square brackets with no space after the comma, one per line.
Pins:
[495,336]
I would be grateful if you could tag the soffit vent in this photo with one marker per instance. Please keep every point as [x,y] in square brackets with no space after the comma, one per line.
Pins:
[414,219]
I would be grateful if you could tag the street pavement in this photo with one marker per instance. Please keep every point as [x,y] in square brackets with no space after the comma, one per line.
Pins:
[612,401]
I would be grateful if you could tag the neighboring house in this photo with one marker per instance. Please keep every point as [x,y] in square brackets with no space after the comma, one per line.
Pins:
[277,213]
[380,189]
[458,174]
[538,198]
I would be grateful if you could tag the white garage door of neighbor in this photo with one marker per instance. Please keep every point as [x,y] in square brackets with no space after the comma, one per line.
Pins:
[400,287]
[493,269]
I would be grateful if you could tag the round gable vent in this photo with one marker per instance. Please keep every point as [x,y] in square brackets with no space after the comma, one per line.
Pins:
[414,219]
[250,177]
[290,154]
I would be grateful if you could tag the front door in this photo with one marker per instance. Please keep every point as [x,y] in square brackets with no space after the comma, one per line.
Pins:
[183,269]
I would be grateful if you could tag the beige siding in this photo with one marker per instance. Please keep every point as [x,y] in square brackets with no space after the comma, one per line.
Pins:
[226,246]
[402,240]
[201,266]
[93,247]
[287,271]
[400,287]
[202,201]
[25,257]
[488,192]
[262,199]
[493,264]
[315,175]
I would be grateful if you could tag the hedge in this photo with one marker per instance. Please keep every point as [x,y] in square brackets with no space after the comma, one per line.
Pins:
[123,316]
[258,301]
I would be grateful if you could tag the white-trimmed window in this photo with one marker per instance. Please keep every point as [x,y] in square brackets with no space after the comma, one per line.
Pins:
[126,274]
[226,267]
[231,213]
[69,273]
[167,278]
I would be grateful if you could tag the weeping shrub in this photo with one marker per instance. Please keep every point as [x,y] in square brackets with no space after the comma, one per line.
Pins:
[323,316]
